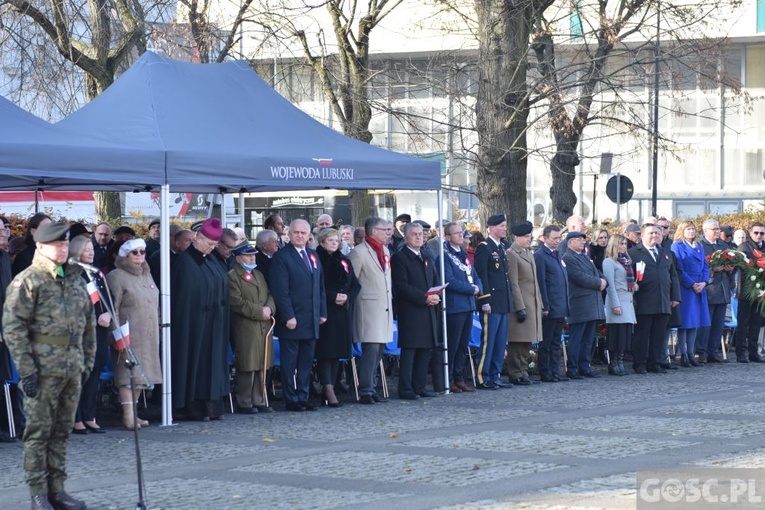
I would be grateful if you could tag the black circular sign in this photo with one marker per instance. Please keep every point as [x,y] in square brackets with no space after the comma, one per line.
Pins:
[626,192]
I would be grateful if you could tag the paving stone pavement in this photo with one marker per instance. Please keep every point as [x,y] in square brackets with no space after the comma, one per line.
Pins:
[548,446]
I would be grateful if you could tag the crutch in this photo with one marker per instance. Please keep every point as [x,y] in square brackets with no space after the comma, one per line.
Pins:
[9,409]
[565,353]
[384,379]
[265,361]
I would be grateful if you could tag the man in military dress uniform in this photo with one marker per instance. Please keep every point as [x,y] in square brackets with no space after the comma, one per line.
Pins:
[49,326]
[495,303]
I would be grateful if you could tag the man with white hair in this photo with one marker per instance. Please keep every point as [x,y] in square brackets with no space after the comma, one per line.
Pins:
[574,224]
[718,296]
[267,243]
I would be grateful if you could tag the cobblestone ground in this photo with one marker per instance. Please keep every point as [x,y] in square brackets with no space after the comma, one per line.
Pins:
[577,444]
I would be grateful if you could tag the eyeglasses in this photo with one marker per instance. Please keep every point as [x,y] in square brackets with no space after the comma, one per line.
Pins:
[758,233]
[138,252]
[663,227]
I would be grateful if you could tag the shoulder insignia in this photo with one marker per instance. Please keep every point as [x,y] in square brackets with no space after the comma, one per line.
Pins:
[482,242]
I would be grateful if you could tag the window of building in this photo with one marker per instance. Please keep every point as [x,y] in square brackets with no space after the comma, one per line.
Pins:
[575,19]
[761,15]
[755,66]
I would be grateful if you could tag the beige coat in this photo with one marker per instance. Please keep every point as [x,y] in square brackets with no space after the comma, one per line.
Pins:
[522,272]
[248,329]
[373,310]
[136,300]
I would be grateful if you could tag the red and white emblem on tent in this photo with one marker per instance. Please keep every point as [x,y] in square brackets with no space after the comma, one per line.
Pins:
[323,161]
[122,337]
[93,292]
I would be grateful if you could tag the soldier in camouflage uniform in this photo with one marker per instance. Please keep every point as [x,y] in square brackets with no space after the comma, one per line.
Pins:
[49,326]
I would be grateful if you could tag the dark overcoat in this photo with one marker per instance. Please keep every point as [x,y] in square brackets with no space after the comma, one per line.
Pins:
[336,335]
[298,293]
[553,283]
[659,285]
[720,282]
[585,301]
[412,277]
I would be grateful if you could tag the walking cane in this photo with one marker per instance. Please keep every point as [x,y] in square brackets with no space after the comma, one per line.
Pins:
[9,409]
[265,361]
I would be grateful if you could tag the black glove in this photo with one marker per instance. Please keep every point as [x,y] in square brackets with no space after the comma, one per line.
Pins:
[29,385]
[521,314]
[85,377]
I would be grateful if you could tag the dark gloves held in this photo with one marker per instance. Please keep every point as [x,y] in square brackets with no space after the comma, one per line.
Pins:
[521,314]
[29,385]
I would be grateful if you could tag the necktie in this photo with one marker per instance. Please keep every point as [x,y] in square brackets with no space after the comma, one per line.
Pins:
[304,255]
[654,254]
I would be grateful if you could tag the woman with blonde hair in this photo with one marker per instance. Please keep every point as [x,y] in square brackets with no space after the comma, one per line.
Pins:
[694,311]
[598,247]
[620,311]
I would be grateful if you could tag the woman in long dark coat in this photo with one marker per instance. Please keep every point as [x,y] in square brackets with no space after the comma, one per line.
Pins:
[335,335]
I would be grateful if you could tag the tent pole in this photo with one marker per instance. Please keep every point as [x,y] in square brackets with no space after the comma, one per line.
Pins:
[164,261]
[241,214]
[443,292]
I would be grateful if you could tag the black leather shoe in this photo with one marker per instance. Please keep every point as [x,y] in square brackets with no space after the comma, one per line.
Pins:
[41,503]
[63,501]
[308,407]
[521,381]
[428,394]
[640,370]
[80,432]
[264,409]
[549,378]
[669,366]
[756,359]
[562,378]
[366,399]
[378,399]
[657,370]
[502,384]
[572,375]
[94,430]
[408,396]
[247,410]
[742,359]
[488,385]
[294,406]
[591,375]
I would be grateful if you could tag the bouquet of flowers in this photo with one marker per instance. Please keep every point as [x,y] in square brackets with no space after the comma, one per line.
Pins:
[753,280]
[727,259]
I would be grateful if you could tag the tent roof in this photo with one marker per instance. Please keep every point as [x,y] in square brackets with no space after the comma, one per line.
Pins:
[35,153]
[221,127]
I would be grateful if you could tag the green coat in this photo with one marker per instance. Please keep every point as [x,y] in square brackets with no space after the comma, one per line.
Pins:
[248,330]
[41,303]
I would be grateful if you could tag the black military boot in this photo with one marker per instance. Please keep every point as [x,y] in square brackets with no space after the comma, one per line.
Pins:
[63,501]
[41,503]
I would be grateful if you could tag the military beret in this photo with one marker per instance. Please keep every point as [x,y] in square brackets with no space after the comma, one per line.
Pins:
[422,223]
[572,235]
[153,222]
[77,229]
[522,229]
[52,232]
[124,229]
[496,219]
[244,249]
[403,217]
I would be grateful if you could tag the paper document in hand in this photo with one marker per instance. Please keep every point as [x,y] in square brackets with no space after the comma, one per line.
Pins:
[436,290]
[122,337]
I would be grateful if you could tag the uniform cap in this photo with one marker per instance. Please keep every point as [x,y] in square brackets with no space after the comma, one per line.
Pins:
[496,219]
[211,229]
[244,249]
[52,232]
[522,229]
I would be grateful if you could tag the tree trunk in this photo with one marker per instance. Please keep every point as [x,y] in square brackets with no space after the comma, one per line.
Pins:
[502,108]
[563,170]
[361,206]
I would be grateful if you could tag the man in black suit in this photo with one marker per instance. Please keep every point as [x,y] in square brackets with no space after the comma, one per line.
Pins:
[748,316]
[496,303]
[102,241]
[267,243]
[553,286]
[412,274]
[296,280]
[659,293]
[276,223]
[397,240]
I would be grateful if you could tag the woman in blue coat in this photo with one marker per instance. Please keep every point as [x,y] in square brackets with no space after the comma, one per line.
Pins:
[694,312]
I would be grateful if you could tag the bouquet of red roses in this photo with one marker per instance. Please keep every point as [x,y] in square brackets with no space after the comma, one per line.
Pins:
[727,259]
[753,280]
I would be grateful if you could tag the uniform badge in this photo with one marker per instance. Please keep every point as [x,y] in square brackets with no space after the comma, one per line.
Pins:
[496,266]
[247,277]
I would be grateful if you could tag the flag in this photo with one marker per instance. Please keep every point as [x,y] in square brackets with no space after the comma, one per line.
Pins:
[93,292]
[119,344]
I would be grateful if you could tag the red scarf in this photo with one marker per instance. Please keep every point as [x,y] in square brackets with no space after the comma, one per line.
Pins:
[377,247]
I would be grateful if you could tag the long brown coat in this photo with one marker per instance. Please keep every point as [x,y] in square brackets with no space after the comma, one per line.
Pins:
[522,272]
[373,310]
[248,329]
[136,300]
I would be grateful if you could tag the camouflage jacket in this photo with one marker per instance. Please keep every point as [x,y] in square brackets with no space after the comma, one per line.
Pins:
[41,305]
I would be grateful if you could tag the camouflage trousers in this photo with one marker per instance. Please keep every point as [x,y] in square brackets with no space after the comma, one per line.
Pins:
[50,418]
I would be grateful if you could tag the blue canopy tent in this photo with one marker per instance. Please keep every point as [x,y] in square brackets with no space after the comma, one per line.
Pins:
[223,129]
[36,154]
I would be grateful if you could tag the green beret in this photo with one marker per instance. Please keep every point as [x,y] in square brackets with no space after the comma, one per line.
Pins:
[52,232]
